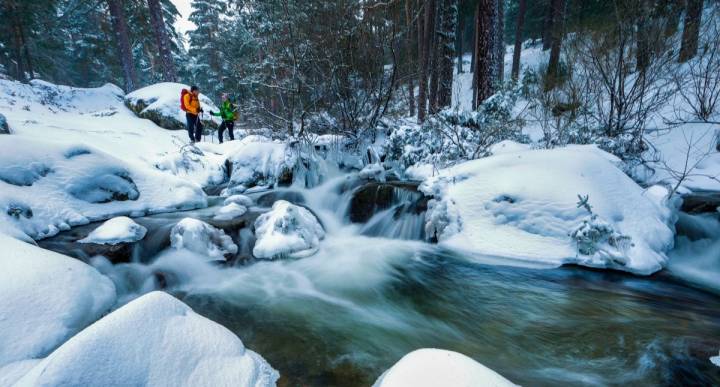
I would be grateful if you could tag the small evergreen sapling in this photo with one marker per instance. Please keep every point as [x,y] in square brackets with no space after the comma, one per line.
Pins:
[596,237]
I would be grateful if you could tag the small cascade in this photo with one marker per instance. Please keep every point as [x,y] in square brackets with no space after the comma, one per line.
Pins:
[696,256]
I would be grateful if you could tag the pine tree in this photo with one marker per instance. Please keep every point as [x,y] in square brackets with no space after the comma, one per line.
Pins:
[520,21]
[500,42]
[446,40]
[205,51]
[485,50]
[162,40]
[691,30]
[426,36]
[123,44]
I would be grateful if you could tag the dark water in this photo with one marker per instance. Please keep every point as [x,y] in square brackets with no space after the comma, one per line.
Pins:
[343,316]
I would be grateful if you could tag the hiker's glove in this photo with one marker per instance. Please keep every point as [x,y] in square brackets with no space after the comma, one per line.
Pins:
[212,112]
[201,111]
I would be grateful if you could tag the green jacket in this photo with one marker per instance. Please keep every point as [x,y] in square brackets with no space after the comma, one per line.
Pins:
[227,111]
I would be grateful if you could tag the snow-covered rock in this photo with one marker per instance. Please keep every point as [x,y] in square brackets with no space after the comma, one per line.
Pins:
[201,238]
[374,171]
[287,230]
[4,127]
[117,230]
[230,212]
[45,298]
[716,360]
[160,103]
[258,161]
[201,163]
[154,340]
[522,206]
[46,187]
[242,200]
[430,367]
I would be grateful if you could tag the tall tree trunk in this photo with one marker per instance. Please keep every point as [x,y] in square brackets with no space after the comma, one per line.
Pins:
[693,15]
[485,43]
[411,43]
[447,51]
[553,70]
[522,7]
[642,52]
[424,59]
[547,25]
[500,42]
[161,39]
[460,32]
[434,60]
[123,44]
[26,52]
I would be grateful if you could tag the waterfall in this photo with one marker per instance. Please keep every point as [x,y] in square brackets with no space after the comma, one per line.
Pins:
[696,256]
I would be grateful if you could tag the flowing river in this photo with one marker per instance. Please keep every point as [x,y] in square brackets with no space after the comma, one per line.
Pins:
[372,294]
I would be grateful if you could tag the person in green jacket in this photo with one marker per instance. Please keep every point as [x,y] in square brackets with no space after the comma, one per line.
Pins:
[227,114]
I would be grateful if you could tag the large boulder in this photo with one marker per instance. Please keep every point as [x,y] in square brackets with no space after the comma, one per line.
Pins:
[160,103]
[257,161]
[154,340]
[430,367]
[287,231]
[201,238]
[45,298]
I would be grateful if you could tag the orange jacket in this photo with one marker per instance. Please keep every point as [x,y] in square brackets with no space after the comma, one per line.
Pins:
[192,103]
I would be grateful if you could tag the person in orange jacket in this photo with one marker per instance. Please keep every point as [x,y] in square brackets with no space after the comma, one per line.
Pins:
[191,106]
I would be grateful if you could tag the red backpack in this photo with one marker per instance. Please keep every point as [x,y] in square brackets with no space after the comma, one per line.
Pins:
[182,100]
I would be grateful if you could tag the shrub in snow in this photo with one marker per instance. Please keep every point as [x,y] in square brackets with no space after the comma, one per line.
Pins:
[154,340]
[116,230]
[4,127]
[239,199]
[160,103]
[230,212]
[451,136]
[202,238]
[596,237]
[429,367]
[287,231]
[45,298]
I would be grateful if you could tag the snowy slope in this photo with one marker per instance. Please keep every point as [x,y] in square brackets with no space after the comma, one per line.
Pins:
[45,298]
[522,206]
[155,340]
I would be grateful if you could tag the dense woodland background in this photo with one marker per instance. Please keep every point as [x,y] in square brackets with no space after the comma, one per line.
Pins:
[344,66]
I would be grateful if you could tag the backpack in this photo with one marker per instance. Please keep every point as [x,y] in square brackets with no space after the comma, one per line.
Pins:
[182,100]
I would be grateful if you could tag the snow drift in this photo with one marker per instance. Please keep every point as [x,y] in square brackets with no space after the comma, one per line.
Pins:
[45,298]
[436,367]
[152,341]
[523,205]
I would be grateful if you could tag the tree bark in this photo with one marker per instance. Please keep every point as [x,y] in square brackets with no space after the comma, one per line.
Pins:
[553,70]
[522,7]
[434,60]
[447,51]
[547,25]
[500,42]
[691,30]
[412,32]
[161,39]
[460,31]
[485,44]
[123,44]
[424,58]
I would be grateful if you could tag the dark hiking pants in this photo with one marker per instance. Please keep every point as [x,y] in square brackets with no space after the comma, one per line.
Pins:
[194,127]
[230,125]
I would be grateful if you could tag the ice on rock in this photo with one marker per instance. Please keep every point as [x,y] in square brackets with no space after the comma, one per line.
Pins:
[230,211]
[259,162]
[429,367]
[154,340]
[45,298]
[201,238]
[117,230]
[242,200]
[521,206]
[287,230]
[373,172]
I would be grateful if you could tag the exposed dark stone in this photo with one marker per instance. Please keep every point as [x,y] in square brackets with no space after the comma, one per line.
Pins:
[374,197]
[119,253]
[285,178]
[4,127]
[701,202]
[18,210]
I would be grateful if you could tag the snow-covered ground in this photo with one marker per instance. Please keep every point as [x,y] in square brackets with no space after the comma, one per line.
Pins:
[523,206]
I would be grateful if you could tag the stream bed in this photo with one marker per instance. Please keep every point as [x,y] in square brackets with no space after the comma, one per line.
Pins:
[346,314]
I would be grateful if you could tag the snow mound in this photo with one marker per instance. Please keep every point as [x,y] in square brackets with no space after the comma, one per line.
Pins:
[117,230]
[45,298]
[47,187]
[522,206]
[259,162]
[201,238]
[154,340]
[200,163]
[230,212]
[436,367]
[508,146]
[287,230]
[242,200]
[160,103]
